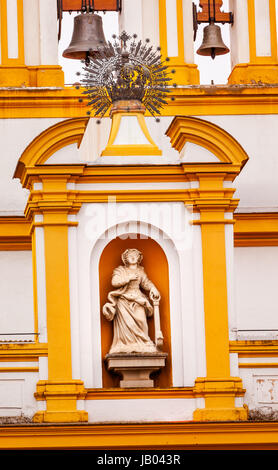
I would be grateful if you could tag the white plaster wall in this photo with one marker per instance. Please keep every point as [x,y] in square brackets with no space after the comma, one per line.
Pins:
[15,136]
[40,32]
[16,293]
[31,32]
[40,280]
[188,32]
[17,392]
[171,28]
[239,32]
[68,154]
[262,21]
[261,384]
[256,294]
[145,410]
[141,17]
[12,26]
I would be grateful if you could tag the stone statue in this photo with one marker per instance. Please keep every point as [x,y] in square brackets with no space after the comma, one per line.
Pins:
[129,307]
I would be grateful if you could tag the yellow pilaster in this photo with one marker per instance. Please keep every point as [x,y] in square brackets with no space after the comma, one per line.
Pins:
[185,73]
[218,388]
[260,69]
[60,391]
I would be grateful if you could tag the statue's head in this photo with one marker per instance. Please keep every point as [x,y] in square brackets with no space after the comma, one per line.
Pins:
[132,256]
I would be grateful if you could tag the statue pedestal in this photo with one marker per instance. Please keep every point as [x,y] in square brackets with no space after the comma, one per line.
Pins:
[135,368]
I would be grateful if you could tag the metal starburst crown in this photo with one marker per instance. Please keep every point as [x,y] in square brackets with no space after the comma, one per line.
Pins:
[126,70]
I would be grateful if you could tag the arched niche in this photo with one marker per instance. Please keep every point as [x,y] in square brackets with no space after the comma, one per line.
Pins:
[156,266]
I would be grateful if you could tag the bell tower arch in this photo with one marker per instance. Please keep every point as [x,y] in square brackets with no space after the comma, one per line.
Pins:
[29,44]
[254,42]
[167,24]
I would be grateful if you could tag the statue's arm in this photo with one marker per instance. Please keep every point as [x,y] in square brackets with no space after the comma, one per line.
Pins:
[149,286]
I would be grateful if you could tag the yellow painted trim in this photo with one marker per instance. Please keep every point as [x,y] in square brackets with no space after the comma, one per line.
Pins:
[273,30]
[132,173]
[18,369]
[180,31]
[255,239]
[20,21]
[74,199]
[210,136]
[144,436]
[255,348]
[256,229]
[254,58]
[134,195]
[14,234]
[5,60]
[17,243]
[211,199]
[252,30]
[185,73]
[215,300]
[57,297]
[4,32]
[257,365]
[31,76]
[263,71]
[163,28]
[179,59]
[22,352]
[260,69]
[251,229]
[20,103]
[138,394]
[14,72]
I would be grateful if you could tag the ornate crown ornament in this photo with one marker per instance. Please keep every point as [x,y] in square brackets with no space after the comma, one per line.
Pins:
[126,70]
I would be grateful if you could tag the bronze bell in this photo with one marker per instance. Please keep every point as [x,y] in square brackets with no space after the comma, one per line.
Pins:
[87,38]
[212,44]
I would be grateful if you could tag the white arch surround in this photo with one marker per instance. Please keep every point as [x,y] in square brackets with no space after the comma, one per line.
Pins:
[185,283]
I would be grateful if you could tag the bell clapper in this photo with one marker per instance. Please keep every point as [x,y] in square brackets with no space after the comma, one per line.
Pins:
[87,58]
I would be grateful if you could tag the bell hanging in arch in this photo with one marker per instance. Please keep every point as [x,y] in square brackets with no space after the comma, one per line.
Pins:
[212,44]
[87,38]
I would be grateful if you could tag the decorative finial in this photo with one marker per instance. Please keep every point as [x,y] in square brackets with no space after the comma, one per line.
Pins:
[126,70]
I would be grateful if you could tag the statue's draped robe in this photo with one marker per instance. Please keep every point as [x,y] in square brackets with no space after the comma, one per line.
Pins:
[129,307]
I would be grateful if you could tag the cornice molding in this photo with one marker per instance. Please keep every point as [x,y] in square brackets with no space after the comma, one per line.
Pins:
[208,135]
[196,100]
[173,435]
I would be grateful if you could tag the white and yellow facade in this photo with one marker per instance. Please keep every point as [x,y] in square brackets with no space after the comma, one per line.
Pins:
[196,193]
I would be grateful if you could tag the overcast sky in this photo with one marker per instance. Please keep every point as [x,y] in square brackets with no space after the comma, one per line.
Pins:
[217,70]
